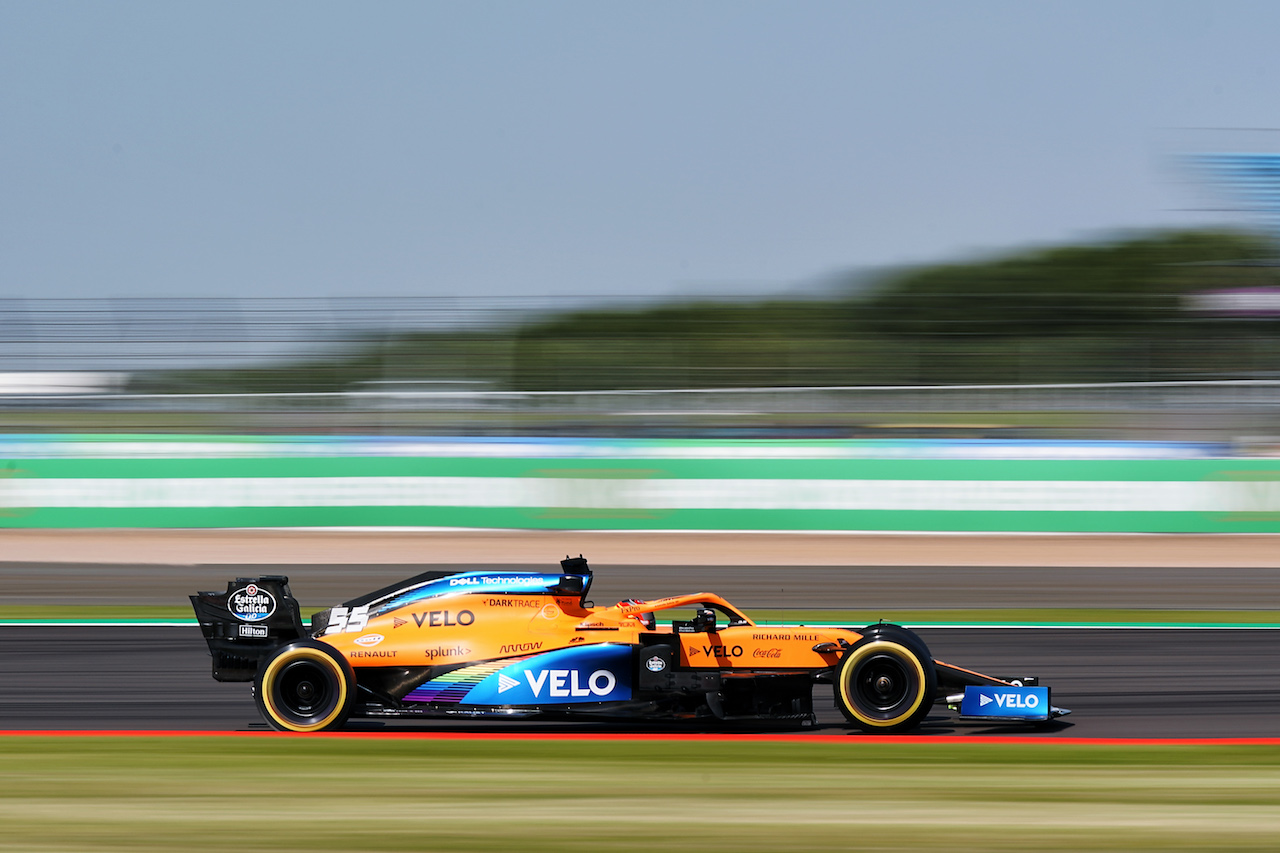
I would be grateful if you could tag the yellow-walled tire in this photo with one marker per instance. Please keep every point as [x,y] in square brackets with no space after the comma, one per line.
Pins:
[883,685]
[306,686]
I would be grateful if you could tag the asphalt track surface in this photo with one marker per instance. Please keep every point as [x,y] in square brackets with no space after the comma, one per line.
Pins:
[1120,683]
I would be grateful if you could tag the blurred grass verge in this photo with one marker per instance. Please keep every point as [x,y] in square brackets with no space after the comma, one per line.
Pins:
[270,793]
[855,618]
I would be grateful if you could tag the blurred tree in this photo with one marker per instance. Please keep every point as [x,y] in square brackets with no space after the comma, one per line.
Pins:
[1075,290]
[1111,312]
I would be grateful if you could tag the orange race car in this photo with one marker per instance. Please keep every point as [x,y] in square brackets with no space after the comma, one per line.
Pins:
[522,644]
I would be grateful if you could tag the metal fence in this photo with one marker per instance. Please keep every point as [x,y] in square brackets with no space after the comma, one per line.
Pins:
[69,366]
[153,334]
[1245,413]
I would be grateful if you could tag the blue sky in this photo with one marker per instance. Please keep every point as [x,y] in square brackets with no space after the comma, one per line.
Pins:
[594,148]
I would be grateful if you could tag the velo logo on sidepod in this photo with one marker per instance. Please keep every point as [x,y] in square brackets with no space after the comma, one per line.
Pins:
[597,673]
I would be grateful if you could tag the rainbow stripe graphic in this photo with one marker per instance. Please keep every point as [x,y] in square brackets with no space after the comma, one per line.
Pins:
[453,687]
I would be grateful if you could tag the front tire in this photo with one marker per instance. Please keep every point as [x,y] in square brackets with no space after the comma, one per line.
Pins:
[884,684]
[306,686]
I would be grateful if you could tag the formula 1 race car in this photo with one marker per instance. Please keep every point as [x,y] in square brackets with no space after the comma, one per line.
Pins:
[524,644]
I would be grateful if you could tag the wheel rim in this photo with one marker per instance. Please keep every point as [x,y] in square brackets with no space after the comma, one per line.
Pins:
[882,683]
[304,690]
[882,686]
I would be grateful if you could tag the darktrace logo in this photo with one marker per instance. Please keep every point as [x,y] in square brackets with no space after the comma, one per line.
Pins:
[515,601]
[251,603]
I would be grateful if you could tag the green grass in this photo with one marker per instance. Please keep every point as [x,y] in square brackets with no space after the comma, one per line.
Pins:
[287,793]
[853,618]
[91,612]
[97,612]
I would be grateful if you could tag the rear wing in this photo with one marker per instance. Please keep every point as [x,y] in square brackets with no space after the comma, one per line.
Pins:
[246,623]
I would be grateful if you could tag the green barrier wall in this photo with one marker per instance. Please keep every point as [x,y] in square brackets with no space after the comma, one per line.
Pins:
[670,486]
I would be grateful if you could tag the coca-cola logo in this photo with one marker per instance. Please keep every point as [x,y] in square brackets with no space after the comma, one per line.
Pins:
[251,603]
[767,653]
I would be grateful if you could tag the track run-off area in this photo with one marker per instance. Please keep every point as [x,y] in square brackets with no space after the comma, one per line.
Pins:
[1119,683]
[115,736]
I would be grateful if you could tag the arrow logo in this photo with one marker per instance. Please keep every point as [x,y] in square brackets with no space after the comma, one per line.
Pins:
[505,683]
[984,700]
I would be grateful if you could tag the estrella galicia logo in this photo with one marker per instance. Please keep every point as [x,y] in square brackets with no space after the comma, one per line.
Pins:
[251,603]
[599,673]
[1016,703]
[655,664]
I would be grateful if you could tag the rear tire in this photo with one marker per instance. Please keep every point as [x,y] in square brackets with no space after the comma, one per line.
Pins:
[305,686]
[885,684]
